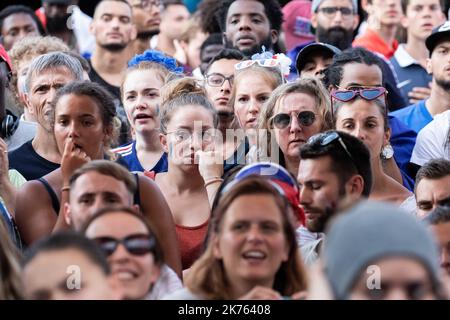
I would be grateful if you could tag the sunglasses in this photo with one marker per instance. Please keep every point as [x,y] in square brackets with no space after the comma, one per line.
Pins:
[284,120]
[326,138]
[368,94]
[137,245]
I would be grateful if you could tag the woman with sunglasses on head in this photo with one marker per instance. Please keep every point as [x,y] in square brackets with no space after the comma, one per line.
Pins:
[133,252]
[252,252]
[254,82]
[187,122]
[140,92]
[294,112]
[84,126]
[362,113]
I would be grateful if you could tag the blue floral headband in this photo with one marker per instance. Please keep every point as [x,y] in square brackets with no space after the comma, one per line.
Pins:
[157,57]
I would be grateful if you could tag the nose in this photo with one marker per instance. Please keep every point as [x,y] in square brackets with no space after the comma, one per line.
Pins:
[295,125]
[196,141]
[305,196]
[397,294]
[120,255]
[360,133]
[445,256]
[226,86]
[244,23]
[73,130]
[51,94]
[254,234]
[253,107]
[141,102]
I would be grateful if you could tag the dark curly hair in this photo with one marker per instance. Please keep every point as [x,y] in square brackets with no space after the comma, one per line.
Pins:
[272,9]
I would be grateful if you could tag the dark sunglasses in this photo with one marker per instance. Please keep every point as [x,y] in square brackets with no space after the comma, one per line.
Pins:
[137,245]
[368,94]
[329,137]
[283,120]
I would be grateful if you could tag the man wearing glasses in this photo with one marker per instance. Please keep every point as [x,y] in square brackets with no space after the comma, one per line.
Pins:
[334,174]
[146,17]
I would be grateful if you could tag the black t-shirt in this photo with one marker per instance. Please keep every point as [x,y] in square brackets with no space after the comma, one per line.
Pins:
[125,136]
[31,165]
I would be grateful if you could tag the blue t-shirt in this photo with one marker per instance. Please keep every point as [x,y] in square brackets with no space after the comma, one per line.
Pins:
[129,156]
[11,226]
[415,116]
[402,140]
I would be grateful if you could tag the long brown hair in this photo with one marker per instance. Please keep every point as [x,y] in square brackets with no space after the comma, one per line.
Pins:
[10,283]
[208,277]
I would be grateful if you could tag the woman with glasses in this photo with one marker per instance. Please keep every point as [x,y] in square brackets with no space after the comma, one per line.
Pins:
[252,252]
[140,93]
[187,122]
[294,112]
[133,252]
[362,112]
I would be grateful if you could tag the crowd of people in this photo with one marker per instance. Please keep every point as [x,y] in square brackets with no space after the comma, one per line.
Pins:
[236,149]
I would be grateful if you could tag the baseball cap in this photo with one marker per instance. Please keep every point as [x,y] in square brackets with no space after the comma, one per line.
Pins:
[297,23]
[316,3]
[324,48]
[437,35]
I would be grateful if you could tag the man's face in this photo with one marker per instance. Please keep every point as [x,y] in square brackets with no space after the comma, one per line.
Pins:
[47,277]
[16,27]
[442,234]
[173,21]
[146,16]
[42,91]
[321,193]
[439,64]
[91,192]
[335,28]
[112,26]
[316,62]
[421,17]
[248,28]
[431,193]
[386,12]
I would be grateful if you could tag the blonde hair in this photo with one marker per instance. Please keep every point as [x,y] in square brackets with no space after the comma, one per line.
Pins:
[308,85]
[191,29]
[271,74]
[183,92]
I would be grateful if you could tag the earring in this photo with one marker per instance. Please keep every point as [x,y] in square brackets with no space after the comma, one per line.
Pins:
[387,152]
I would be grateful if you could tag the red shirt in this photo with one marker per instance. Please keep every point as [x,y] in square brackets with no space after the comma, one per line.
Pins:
[371,41]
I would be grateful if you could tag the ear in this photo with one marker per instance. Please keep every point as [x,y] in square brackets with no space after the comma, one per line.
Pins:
[404,21]
[365,5]
[354,187]
[355,21]
[224,38]
[136,207]
[217,253]
[286,252]
[28,104]
[67,214]
[387,137]
[156,271]
[133,33]
[92,27]
[164,143]
[429,66]
[274,35]
[314,20]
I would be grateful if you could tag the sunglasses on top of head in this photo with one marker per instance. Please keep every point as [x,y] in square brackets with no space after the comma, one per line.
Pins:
[368,94]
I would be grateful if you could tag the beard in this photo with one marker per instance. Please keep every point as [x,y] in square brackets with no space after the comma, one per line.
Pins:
[336,36]
[444,84]
[257,48]
[57,24]
[114,47]
[147,35]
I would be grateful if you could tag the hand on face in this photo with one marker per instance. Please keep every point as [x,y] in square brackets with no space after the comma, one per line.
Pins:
[72,159]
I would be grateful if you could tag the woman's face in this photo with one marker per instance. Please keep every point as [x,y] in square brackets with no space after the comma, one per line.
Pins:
[252,90]
[251,242]
[141,99]
[363,119]
[78,117]
[135,273]
[295,135]
[190,129]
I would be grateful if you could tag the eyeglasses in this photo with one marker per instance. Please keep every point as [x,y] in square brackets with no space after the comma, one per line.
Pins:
[217,79]
[283,120]
[137,245]
[146,4]
[331,11]
[268,63]
[329,137]
[368,94]
[183,135]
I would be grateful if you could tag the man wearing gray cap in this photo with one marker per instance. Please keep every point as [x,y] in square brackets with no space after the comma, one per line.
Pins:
[377,251]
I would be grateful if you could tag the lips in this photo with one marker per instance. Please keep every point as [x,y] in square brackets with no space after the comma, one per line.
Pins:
[298,140]
[125,275]
[142,116]
[254,255]
[114,34]
[251,122]
[153,22]
[245,40]
[222,100]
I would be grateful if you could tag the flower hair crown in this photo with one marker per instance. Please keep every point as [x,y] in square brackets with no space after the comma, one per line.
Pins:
[157,57]
[268,59]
